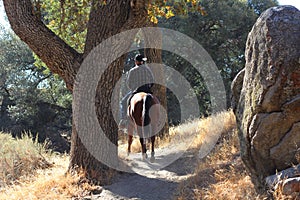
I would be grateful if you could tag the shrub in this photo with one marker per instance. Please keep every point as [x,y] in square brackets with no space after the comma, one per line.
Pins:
[19,157]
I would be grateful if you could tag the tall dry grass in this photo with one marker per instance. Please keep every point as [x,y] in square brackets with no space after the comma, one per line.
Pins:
[199,131]
[20,157]
[29,171]
[221,174]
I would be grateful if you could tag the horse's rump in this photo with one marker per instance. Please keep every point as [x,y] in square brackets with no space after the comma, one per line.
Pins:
[139,108]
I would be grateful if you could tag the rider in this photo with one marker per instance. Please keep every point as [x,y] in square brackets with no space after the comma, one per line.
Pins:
[140,79]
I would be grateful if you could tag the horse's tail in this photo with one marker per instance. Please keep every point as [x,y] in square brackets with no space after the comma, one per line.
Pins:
[146,116]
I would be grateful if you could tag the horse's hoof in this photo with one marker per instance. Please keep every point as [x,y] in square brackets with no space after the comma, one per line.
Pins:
[152,159]
[152,154]
[145,156]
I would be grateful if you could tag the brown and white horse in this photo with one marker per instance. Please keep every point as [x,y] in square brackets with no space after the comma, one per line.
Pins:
[143,120]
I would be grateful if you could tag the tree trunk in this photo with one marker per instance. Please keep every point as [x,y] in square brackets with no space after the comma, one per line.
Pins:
[106,21]
[154,56]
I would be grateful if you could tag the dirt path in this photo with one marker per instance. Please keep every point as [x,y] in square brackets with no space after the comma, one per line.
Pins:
[160,180]
[151,184]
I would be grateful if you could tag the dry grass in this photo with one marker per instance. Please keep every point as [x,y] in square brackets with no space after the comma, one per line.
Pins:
[278,188]
[201,130]
[26,172]
[19,157]
[212,127]
[52,183]
[197,130]
[220,175]
[278,195]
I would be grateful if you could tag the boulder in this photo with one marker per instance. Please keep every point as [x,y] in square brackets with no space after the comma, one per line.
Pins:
[286,182]
[291,186]
[267,100]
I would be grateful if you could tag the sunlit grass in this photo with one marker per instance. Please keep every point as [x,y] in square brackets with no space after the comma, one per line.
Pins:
[197,130]
[221,175]
[20,157]
[30,171]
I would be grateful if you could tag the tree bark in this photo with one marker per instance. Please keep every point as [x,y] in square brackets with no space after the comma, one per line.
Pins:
[106,21]
[154,56]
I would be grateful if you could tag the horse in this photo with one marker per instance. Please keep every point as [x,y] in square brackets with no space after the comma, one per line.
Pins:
[145,123]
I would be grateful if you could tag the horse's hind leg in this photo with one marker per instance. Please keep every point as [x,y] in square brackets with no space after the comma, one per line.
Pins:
[130,137]
[152,144]
[144,150]
[152,159]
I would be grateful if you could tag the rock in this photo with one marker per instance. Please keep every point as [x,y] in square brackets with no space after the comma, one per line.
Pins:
[292,172]
[97,190]
[267,107]
[291,186]
[236,88]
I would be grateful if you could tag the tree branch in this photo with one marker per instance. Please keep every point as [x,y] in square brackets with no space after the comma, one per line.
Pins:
[113,18]
[52,50]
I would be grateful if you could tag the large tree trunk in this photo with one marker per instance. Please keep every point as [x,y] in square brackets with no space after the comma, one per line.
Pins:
[106,21]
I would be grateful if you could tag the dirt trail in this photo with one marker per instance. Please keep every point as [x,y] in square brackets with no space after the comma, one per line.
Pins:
[173,164]
[152,184]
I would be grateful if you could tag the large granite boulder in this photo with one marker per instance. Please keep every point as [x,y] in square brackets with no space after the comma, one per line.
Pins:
[266,95]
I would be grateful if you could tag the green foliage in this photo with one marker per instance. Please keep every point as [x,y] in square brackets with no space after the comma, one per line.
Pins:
[260,5]
[68,19]
[19,157]
[171,8]
[29,98]
[222,32]
[220,26]
[22,80]
[15,61]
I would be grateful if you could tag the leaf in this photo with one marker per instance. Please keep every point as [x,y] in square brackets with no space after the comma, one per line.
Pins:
[154,19]
[170,14]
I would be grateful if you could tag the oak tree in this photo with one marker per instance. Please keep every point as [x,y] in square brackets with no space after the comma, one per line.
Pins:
[105,19]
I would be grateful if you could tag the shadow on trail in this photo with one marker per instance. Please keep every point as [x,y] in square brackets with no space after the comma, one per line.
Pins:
[152,184]
[187,163]
[135,186]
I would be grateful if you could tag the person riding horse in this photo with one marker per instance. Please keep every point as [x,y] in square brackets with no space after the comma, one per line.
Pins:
[140,79]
